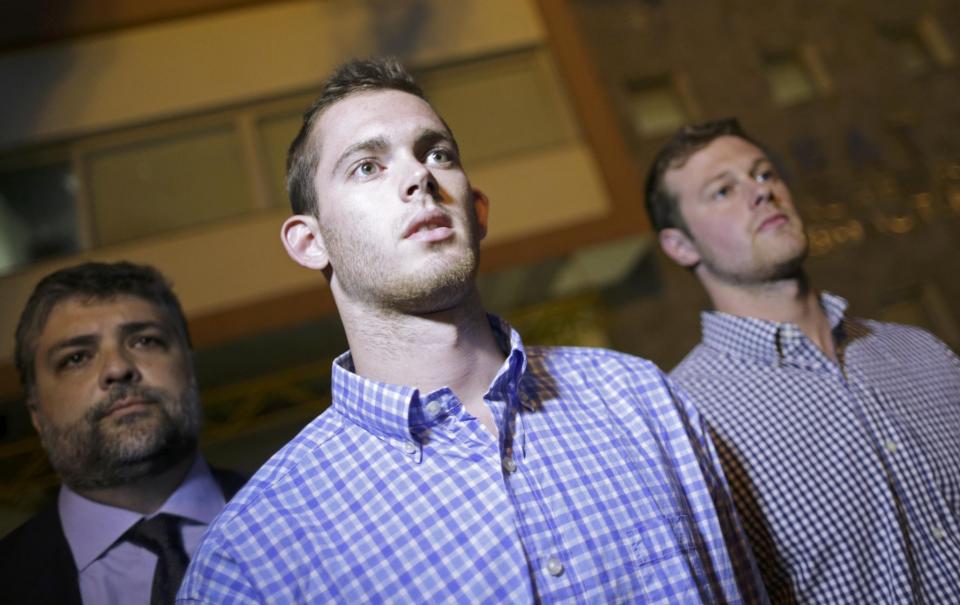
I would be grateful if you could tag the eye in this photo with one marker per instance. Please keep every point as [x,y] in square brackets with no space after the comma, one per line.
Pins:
[73,360]
[722,192]
[768,174]
[366,168]
[440,155]
[148,341]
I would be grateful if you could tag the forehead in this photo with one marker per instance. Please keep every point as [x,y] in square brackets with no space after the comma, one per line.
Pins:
[367,115]
[75,316]
[722,154]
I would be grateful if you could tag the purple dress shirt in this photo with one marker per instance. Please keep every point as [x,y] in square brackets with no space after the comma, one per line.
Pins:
[121,572]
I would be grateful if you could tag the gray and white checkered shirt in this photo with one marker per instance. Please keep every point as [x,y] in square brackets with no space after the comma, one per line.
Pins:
[847,477]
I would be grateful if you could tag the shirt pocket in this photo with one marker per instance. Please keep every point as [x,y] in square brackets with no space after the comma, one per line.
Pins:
[662,537]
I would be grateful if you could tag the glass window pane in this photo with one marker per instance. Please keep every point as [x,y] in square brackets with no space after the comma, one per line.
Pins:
[161,184]
[38,216]
[655,108]
[788,79]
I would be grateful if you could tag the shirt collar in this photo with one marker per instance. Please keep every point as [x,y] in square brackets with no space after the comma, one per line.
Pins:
[749,337]
[91,528]
[392,410]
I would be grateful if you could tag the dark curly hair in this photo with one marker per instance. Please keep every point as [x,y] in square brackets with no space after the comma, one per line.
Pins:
[90,282]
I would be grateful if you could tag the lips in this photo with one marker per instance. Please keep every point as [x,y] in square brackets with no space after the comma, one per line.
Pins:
[127,405]
[123,401]
[773,221]
[429,226]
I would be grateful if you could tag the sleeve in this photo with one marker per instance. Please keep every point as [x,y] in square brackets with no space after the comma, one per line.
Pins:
[215,577]
[737,547]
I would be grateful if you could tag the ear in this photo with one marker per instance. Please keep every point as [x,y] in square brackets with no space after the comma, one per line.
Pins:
[301,238]
[482,207]
[677,245]
[34,412]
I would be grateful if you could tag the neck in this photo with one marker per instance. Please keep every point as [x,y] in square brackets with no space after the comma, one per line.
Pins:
[453,348]
[789,300]
[145,495]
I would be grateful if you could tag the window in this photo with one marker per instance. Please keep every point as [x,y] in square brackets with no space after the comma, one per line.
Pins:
[789,80]
[655,107]
[38,215]
[166,182]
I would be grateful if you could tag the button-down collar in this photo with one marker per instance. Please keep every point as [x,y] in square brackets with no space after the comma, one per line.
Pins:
[765,341]
[392,411]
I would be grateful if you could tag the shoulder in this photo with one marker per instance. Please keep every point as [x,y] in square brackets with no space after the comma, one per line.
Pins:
[36,564]
[895,335]
[701,358]
[286,468]
[591,364]
[284,478]
[588,379]
[902,345]
[33,535]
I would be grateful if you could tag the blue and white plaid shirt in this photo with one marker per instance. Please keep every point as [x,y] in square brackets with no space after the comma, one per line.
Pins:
[846,477]
[602,489]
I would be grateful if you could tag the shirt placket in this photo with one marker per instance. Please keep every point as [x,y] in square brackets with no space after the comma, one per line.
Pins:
[461,431]
[912,478]
[554,576]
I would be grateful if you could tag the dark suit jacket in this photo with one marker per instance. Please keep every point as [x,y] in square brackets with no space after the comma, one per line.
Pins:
[36,565]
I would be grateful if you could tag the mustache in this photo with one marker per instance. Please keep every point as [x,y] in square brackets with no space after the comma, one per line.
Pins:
[143,394]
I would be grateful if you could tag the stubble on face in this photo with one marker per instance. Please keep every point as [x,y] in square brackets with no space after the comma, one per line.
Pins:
[98,451]
[363,272]
[783,262]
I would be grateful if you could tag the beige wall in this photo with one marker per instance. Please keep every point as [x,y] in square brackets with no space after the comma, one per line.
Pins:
[182,67]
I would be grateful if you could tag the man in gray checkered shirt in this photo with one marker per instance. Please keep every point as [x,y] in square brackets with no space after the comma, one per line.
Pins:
[840,436]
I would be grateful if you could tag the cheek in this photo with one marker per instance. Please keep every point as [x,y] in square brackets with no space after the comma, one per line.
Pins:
[717,235]
[64,401]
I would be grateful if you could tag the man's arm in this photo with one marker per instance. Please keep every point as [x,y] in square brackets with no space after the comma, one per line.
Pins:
[738,548]
[215,577]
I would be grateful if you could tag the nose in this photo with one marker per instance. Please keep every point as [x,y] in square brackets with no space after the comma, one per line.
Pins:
[420,183]
[762,193]
[118,368]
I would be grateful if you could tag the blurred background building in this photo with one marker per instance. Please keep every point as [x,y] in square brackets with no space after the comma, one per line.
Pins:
[156,131]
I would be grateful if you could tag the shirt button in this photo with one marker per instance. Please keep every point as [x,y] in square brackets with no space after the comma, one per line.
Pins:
[509,465]
[433,408]
[938,533]
[409,447]
[554,566]
[890,445]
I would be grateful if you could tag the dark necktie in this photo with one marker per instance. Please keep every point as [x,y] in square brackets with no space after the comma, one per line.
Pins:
[161,536]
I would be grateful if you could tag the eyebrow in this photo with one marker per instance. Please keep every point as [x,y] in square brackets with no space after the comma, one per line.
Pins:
[84,340]
[431,136]
[753,168]
[757,163]
[374,145]
[135,327]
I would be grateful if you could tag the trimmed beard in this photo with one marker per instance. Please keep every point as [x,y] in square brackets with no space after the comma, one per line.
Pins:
[363,275]
[88,455]
[787,268]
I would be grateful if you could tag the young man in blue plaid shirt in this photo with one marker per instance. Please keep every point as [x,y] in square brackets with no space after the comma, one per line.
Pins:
[455,464]
[839,435]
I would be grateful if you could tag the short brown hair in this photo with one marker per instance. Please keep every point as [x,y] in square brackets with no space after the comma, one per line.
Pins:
[90,282]
[662,207]
[359,75]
